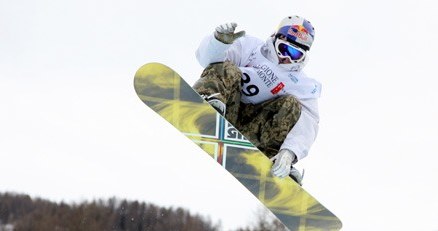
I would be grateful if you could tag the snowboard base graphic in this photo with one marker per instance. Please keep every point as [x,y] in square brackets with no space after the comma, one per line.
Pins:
[166,93]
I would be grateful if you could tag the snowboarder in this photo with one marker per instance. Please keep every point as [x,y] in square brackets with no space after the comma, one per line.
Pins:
[261,89]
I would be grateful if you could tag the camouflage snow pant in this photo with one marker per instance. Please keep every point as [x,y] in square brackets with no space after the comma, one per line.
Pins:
[266,124]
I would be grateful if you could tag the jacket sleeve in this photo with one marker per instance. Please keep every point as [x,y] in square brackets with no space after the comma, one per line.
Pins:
[212,51]
[303,134]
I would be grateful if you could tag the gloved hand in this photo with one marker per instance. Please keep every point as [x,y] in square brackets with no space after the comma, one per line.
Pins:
[283,163]
[225,33]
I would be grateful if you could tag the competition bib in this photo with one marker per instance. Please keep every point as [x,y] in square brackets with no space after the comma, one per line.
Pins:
[263,80]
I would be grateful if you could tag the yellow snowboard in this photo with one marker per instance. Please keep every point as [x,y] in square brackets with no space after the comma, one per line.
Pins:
[165,92]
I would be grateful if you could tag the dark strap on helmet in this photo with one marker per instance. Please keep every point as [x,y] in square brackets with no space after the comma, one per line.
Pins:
[293,42]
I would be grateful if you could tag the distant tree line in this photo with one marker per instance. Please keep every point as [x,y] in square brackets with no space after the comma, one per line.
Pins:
[265,221]
[26,214]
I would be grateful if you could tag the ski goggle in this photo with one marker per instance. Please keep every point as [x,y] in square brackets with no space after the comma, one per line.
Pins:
[287,50]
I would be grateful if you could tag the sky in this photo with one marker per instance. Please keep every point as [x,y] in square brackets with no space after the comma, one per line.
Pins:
[72,127]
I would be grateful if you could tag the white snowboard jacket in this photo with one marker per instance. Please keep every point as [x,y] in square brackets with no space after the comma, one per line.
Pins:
[264,80]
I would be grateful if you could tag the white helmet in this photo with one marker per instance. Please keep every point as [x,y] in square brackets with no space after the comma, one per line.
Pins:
[292,40]
[297,31]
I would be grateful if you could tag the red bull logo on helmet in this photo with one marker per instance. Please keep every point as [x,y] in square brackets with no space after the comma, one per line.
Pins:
[300,28]
[299,31]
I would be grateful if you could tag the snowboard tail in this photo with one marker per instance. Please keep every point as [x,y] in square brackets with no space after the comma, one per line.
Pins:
[166,93]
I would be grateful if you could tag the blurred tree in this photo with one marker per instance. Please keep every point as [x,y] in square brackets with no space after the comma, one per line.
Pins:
[26,214]
[265,221]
